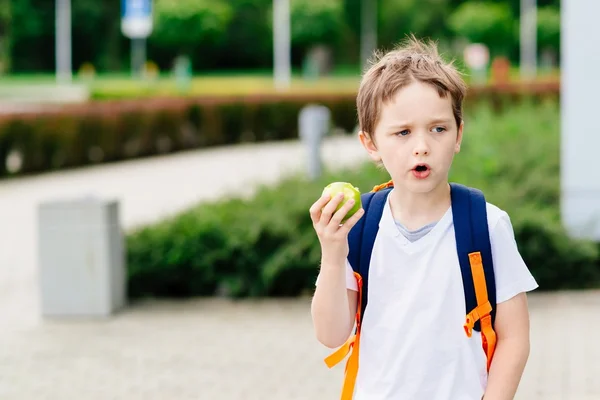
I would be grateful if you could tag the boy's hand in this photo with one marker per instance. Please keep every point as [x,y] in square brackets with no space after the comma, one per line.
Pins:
[333,235]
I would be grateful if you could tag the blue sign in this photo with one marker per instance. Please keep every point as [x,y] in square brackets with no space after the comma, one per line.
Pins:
[136,8]
[136,18]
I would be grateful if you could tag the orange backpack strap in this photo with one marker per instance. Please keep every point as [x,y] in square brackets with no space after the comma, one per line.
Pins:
[476,263]
[385,185]
[351,345]
[482,311]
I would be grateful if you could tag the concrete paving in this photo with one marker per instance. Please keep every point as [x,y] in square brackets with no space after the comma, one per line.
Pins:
[214,348]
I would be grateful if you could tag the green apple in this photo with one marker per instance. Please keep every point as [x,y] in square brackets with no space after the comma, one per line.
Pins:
[350,192]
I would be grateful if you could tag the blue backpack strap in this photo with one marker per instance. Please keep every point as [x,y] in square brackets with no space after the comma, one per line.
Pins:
[472,234]
[362,237]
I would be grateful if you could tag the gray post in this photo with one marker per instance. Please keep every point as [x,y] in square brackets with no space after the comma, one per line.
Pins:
[63,41]
[81,258]
[580,136]
[281,43]
[368,28]
[313,125]
[138,56]
[528,38]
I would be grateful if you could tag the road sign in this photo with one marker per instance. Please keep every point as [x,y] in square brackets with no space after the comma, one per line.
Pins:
[136,18]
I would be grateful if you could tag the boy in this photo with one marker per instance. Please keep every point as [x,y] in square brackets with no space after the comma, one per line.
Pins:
[412,345]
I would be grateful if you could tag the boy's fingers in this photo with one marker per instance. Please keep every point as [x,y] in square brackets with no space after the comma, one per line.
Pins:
[315,209]
[330,208]
[352,221]
[341,213]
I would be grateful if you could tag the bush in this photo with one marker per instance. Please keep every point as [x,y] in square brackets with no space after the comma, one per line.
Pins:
[266,246]
[98,132]
[515,159]
[112,131]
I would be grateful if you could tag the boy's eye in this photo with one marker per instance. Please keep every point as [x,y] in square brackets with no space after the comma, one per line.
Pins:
[439,129]
[403,133]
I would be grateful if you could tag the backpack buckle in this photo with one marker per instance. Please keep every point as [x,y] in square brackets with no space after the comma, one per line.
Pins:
[469,325]
[475,315]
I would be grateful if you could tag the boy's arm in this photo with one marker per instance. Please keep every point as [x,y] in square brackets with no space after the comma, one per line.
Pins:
[512,348]
[334,303]
[333,307]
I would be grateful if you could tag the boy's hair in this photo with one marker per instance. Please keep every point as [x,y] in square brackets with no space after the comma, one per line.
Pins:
[412,60]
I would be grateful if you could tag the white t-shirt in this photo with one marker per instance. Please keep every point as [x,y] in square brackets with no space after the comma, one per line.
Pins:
[413,345]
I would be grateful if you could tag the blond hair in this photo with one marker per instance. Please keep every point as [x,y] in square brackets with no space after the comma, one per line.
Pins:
[389,72]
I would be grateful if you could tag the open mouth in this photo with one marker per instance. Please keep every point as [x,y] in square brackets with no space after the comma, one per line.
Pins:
[421,171]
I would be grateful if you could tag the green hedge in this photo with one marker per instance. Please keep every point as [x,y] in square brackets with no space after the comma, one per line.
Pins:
[99,132]
[113,131]
[266,246]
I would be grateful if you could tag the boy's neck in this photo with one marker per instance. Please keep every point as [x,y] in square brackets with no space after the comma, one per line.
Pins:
[414,210]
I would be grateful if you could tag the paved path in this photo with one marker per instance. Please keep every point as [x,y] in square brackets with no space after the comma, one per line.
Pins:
[214,349]
[222,350]
[147,189]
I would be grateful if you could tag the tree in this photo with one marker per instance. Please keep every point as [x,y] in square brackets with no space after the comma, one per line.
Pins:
[418,17]
[250,23]
[489,23]
[188,26]
[315,22]
[548,28]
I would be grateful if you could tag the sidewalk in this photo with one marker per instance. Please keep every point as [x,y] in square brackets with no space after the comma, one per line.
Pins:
[147,189]
[252,350]
[214,348]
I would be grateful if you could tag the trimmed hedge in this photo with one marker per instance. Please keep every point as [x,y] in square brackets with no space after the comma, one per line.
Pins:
[98,132]
[266,245]
[106,132]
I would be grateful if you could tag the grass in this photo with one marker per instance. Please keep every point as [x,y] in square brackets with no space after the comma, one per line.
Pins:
[107,86]
[219,85]
[343,80]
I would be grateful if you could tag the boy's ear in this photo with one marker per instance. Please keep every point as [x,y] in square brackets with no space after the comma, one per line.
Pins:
[369,145]
[459,137]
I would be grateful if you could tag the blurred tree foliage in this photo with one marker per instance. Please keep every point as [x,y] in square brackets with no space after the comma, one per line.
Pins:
[196,28]
[237,34]
[5,17]
[484,22]
[316,22]
[548,28]
[423,17]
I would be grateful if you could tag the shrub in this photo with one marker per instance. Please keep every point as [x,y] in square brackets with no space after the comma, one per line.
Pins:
[257,247]
[113,131]
[98,132]
[266,246]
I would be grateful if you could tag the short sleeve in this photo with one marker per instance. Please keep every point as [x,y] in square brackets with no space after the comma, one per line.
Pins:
[511,272]
[350,278]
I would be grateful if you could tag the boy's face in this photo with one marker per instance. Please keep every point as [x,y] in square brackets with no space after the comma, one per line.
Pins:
[416,138]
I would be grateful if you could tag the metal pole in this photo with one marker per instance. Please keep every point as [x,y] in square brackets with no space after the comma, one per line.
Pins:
[138,56]
[528,36]
[368,25]
[63,41]
[281,41]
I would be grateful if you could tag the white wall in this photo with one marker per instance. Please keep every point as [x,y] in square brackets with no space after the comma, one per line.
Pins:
[580,119]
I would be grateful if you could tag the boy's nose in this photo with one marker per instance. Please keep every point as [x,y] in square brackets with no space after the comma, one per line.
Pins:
[421,148]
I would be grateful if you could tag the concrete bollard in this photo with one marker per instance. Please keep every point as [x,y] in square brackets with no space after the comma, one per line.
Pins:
[314,123]
[81,258]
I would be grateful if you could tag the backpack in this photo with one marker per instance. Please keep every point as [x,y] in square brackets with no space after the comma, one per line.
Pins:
[476,265]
